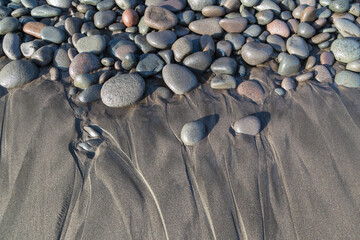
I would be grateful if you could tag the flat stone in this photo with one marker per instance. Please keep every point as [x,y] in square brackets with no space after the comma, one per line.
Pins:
[224,65]
[103,19]
[149,64]
[319,38]
[253,90]
[84,81]
[233,25]
[162,39]
[43,56]
[90,94]
[255,53]
[253,31]
[289,65]
[8,24]
[304,77]
[268,5]
[52,34]
[28,48]
[347,28]
[18,73]
[173,5]
[126,4]
[11,46]
[178,78]
[33,28]
[348,79]
[159,18]
[249,125]
[193,132]
[198,5]
[95,44]
[84,63]
[249,3]
[213,11]
[61,59]
[29,3]
[45,11]
[278,27]
[223,82]
[105,5]
[339,6]
[353,66]
[323,74]
[346,50]
[297,46]
[182,48]
[122,90]
[207,26]
[198,62]
[59,3]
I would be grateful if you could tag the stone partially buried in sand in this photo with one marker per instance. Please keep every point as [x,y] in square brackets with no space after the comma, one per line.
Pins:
[178,78]
[249,125]
[348,79]
[252,90]
[18,73]
[193,132]
[122,90]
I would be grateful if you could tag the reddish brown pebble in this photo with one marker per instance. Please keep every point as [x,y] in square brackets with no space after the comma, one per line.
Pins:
[252,90]
[308,14]
[279,27]
[84,63]
[233,25]
[130,17]
[33,28]
[327,58]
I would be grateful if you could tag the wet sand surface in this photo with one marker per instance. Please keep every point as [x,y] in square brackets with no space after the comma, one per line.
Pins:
[297,179]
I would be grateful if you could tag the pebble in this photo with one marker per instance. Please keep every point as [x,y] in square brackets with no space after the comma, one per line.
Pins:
[149,64]
[143,44]
[233,25]
[304,77]
[103,19]
[348,79]
[54,74]
[90,94]
[252,31]
[107,61]
[182,48]
[198,5]
[178,78]
[249,3]
[279,91]
[264,17]
[126,4]
[95,44]
[193,132]
[84,63]
[43,56]
[224,65]
[223,48]
[276,42]
[159,18]
[213,11]
[268,5]
[278,27]
[8,24]
[105,5]
[322,74]
[130,17]
[253,90]
[167,56]
[346,50]
[73,25]
[305,30]
[207,26]
[61,59]
[45,11]
[250,125]
[17,73]
[347,28]
[173,5]
[339,6]
[310,63]
[122,90]
[255,53]
[327,58]
[289,65]
[59,3]
[129,61]
[223,82]
[198,62]
[162,39]
[84,81]
[186,17]
[288,83]
[308,14]
[237,40]
[11,46]
[297,46]
[34,28]
[353,66]
[52,34]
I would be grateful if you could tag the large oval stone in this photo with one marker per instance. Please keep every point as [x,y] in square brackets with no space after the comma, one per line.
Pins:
[84,63]
[252,90]
[59,3]
[159,18]
[178,78]
[94,44]
[18,73]
[207,26]
[346,50]
[249,125]
[122,90]
[193,132]
[255,53]
[348,79]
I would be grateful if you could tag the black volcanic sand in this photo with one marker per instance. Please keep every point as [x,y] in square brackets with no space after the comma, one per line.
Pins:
[297,179]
